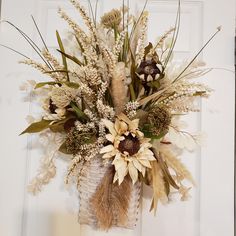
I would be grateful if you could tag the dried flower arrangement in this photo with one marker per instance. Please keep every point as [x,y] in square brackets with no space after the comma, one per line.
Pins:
[113,107]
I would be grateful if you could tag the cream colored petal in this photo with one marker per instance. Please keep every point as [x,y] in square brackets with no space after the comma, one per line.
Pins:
[121,175]
[117,125]
[139,134]
[152,158]
[145,142]
[110,138]
[133,172]
[142,77]
[121,169]
[134,124]
[117,156]
[109,155]
[110,126]
[121,138]
[145,163]
[146,157]
[120,126]
[149,78]
[106,149]
[157,76]
[137,164]
[123,127]
[143,171]
[145,152]
[116,143]
[119,163]
[125,118]
[115,177]
[133,134]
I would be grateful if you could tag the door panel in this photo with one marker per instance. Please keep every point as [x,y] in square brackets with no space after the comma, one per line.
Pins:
[54,211]
[179,218]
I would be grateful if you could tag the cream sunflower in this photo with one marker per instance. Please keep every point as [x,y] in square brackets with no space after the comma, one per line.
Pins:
[129,149]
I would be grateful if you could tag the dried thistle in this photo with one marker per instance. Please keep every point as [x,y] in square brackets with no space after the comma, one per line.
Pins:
[111,19]
[75,141]
[159,118]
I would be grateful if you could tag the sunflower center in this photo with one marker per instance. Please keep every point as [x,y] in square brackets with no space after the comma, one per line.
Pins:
[130,144]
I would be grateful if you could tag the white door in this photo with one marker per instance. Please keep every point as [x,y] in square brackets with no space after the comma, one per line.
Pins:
[53,213]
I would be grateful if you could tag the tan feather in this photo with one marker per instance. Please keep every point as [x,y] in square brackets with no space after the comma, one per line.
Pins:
[110,202]
[158,184]
[176,164]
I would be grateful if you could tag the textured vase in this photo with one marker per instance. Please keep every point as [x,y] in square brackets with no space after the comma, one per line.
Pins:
[89,182]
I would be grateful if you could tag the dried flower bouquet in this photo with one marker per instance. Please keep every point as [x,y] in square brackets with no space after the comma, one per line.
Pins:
[113,106]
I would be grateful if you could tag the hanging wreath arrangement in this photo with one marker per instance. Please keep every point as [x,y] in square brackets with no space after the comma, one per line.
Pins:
[113,110]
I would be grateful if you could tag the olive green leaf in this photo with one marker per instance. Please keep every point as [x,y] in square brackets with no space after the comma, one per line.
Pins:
[42,84]
[62,55]
[69,84]
[147,130]
[72,58]
[37,127]
[63,149]
[165,170]
[80,114]
[57,126]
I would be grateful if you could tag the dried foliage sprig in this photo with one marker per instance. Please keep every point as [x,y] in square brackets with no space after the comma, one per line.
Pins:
[117,101]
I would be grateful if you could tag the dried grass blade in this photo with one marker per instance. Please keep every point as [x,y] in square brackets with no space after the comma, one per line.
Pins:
[62,49]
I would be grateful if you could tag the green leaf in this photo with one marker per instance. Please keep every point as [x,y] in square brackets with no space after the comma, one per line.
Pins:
[69,84]
[155,84]
[42,84]
[62,55]
[72,58]
[63,149]
[80,114]
[146,129]
[37,127]
[165,170]
[59,126]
